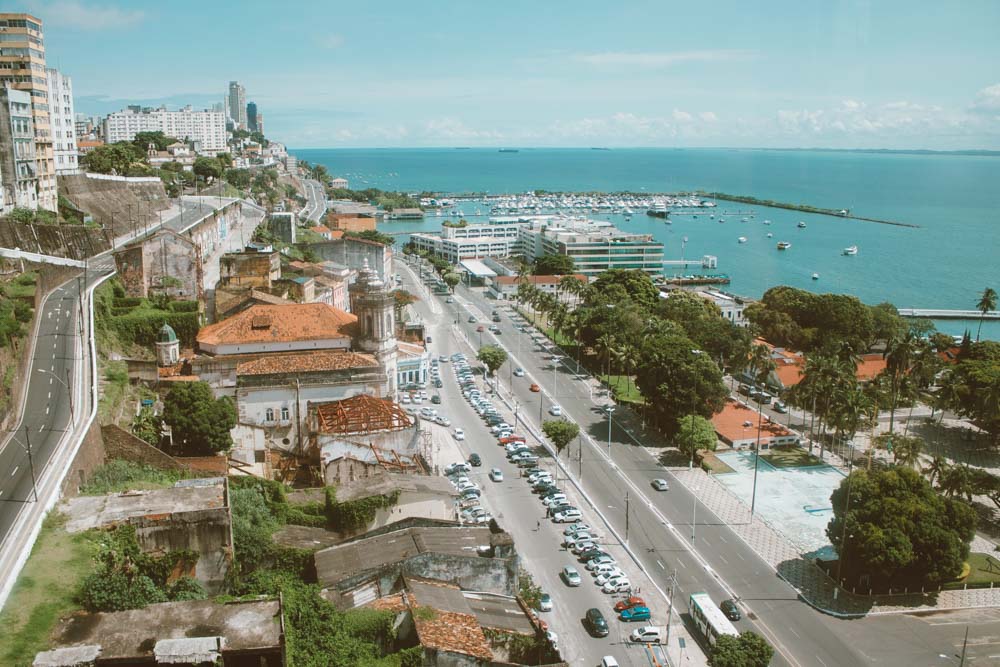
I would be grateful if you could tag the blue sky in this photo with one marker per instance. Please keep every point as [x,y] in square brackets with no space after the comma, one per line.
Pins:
[804,73]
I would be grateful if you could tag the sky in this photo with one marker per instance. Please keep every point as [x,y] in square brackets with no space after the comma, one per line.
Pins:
[783,74]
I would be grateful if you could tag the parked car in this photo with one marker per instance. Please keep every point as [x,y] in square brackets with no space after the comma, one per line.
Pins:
[527,460]
[730,609]
[568,516]
[614,573]
[594,564]
[519,372]
[616,585]
[661,484]
[534,387]
[545,602]
[635,614]
[628,603]
[472,319]
[780,407]
[436,399]
[596,623]
[609,661]
[648,634]
[576,527]
[583,545]
[570,575]
[457,467]
[591,554]
[475,460]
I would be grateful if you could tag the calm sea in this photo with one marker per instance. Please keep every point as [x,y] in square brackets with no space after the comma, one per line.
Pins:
[945,263]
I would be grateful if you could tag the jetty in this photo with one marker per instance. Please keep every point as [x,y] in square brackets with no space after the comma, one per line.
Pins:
[944,314]
[803,208]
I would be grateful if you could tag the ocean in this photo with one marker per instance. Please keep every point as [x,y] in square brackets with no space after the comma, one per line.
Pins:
[944,263]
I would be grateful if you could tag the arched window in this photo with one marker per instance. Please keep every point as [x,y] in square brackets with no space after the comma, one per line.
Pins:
[284,414]
[269,415]
[388,324]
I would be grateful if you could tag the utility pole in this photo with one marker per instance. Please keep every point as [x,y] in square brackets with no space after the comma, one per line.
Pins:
[670,609]
[626,518]
[31,466]
[579,456]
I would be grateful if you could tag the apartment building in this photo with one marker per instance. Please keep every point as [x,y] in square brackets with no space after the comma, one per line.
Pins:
[22,67]
[237,102]
[205,129]
[18,166]
[63,122]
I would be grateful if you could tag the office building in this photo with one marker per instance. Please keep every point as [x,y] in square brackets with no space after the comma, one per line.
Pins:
[22,67]
[237,105]
[18,166]
[205,129]
[62,120]
[252,116]
[594,245]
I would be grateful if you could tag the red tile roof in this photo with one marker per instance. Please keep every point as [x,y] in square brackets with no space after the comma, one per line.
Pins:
[308,362]
[278,324]
[730,424]
[448,630]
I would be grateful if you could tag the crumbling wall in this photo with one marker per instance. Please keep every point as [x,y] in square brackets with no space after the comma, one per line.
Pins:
[209,532]
[120,444]
[471,573]
[70,241]
[118,205]
[89,457]
[353,253]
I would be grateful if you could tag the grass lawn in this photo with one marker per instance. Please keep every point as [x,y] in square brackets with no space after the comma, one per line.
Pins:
[983,568]
[44,592]
[715,464]
[624,389]
[790,457]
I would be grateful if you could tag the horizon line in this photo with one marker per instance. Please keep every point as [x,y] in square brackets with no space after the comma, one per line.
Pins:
[923,151]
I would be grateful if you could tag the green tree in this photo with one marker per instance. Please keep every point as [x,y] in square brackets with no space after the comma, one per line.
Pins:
[371,235]
[159,140]
[987,302]
[119,158]
[402,299]
[452,279]
[207,168]
[898,530]
[972,387]
[148,426]
[905,449]
[238,178]
[199,422]
[638,285]
[695,434]
[561,432]
[493,356]
[747,650]
[553,265]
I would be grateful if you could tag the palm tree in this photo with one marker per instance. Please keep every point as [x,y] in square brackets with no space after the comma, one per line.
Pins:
[936,468]
[898,354]
[605,344]
[987,302]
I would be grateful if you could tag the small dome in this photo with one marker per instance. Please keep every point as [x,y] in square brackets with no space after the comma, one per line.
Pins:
[167,334]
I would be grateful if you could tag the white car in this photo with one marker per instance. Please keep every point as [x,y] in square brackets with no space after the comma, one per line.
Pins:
[616,586]
[568,516]
[553,639]
[519,372]
[465,486]
[555,411]
[583,545]
[459,434]
[496,475]
[582,536]
[603,569]
[576,527]
[646,634]
[614,573]
[553,500]
[405,400]
[443,421]
[594,564]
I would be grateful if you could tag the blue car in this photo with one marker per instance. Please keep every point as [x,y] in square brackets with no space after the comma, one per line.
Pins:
[635,614]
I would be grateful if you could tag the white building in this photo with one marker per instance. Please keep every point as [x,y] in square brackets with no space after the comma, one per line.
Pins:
[207,129]
[62,121]
[19,184]
[456,249]
[236,101]
[339,184]
[594,245]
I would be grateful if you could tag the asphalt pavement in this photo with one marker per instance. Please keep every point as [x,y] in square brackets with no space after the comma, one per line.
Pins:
[316,200]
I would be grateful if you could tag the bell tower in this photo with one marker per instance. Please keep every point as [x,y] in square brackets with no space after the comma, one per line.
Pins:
[373,304]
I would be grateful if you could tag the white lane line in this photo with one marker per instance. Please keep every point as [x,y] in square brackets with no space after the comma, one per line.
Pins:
[681,561]
[740,555]
[821,661]
[792,630]
[14,471]
[46,409]
[723,559]
[50,380]
[41,428]
[661,565]
[723,539]
[50,395]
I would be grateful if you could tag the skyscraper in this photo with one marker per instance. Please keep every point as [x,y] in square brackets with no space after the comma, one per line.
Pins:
[62,119]
[238,105]
[22,67]
[252,116]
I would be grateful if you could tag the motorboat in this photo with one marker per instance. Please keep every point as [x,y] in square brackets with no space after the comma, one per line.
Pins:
[815,276]
[767,222]
[770,235]
[784,245]
[851,250]
[742,239]
[802,225]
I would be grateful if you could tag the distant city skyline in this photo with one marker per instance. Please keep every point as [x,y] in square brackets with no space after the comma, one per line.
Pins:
[650,73]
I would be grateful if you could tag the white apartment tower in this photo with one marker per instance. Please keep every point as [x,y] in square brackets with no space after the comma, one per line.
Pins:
[206,129]
[62,121]
[238,105]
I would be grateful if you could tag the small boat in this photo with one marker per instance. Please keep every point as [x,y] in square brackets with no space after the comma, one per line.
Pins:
[851,250]
[770,235]
[784,245]
[742,239]
[744,220]
[722,219]
[802,225]
[767,222]
[815,276]
[712,217]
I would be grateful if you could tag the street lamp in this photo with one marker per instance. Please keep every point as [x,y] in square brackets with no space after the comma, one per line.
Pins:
[609,409]
[694,512]
[31,464]
[65,384]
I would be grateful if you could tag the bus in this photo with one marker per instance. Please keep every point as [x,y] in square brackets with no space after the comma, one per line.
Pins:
[709,618]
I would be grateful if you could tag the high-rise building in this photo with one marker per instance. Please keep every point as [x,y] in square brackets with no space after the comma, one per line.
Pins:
[252,116]
[18,166]
[260,123]
[205,129]
[63,122]
[22,67]
[238,105]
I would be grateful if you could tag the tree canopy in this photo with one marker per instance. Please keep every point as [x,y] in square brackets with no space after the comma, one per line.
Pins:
[553,265]
[561,432]
[142,140]
[898,530]
[208,168]
[638,286]
[972,387]
[747,650]
[371,235]
[493,356]
[695,433]
[199,422]
[121,158]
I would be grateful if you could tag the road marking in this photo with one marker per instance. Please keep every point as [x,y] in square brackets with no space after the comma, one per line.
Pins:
[821,661]
[740,555]
[792,630]
[681,561]
[14,471]
[661,565]
[723,559]
[41,428]
[723,539]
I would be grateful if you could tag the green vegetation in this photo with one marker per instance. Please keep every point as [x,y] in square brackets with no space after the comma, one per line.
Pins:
[17,298]
[898,530]
[113,390]
[371,235]
[402,298]
[199,422]
[972,387]
[384,199]
[133,321]
[528,590]
[118,475]
[623,388]
[790,457]
[553,265]
[159,140]
[747,650]
[123,158]
[148,426]
[695,434]
[33,216]
[561,432]
[458,224]
[452,279]
[355,514]
[493,356]
[44,592]
[987,302]
[984,569]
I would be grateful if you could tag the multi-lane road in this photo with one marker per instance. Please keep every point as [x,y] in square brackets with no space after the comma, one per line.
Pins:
[315,199]
[672,531]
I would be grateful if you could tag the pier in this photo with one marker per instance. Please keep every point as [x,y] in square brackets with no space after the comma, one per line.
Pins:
[941,314]
[706,262]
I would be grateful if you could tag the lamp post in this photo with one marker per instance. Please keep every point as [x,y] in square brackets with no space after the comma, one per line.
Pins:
[31,464]
[609,409]
[694,512]
[65,384]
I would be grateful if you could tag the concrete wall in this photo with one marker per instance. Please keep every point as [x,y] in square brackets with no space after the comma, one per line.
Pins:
[72,241]
[117,204]
[415,505]
[89,457]
[166,263]
[473,573]
[353,252]
[120,444]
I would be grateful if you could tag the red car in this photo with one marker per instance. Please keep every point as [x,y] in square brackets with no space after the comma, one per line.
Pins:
[628,603]
[534,387]
[480,328]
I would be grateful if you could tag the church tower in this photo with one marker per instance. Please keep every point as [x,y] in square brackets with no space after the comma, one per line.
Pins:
[167,347]
[372,303]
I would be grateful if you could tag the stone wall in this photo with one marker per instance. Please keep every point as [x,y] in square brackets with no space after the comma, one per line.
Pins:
[352,253]
[70,241]
[89,457]
[120,444]
[165,263]
[118,206]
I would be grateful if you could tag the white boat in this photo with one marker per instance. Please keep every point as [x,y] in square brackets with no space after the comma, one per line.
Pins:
[815,276]
[784,245]
[802,225]
[770,235]
[744,220]
[742,239]
[722,219]
[851,250]
[767,222]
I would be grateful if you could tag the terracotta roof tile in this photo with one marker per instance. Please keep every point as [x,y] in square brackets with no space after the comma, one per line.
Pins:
[308,362]
[278,323]
[730,424]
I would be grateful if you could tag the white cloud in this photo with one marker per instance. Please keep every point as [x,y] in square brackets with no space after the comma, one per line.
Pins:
[452,130]
[331,41]
[74,14]
[659,60]
[988,100]
[682,116]
[708,116]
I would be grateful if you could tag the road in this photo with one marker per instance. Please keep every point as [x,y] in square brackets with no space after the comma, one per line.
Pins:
[316,199]
[715,559]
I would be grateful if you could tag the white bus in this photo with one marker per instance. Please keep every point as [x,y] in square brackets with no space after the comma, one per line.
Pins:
[709,618]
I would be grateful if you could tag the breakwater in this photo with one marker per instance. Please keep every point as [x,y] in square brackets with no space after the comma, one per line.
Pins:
[805,208]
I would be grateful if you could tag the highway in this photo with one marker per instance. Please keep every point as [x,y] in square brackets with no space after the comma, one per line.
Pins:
[714,560]
[316,200]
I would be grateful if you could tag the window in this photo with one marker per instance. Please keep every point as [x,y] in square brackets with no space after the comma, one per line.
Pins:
[269,415]
[284,414]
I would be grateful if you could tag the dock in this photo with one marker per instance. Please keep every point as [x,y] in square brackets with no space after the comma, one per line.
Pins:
[940,314]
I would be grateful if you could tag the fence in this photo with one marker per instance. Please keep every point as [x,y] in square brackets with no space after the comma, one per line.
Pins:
[123,179]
